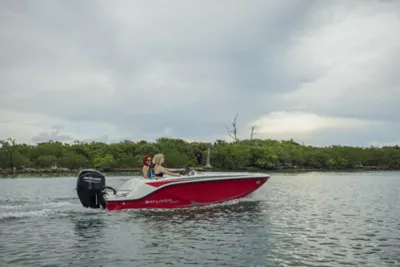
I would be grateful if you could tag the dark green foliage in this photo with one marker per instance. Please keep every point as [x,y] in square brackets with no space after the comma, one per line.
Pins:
[259,154]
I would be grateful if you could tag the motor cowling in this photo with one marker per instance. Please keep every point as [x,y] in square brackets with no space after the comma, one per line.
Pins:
[89,187]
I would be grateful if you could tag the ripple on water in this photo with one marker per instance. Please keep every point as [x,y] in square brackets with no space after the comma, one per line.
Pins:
[301,220]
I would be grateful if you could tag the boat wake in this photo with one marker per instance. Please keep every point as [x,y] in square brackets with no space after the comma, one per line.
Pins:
[12,211]
[39,206]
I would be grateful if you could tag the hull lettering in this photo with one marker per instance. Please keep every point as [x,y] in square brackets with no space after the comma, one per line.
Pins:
[158,201]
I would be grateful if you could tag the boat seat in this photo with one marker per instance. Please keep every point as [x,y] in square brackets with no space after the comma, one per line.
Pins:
[128,187]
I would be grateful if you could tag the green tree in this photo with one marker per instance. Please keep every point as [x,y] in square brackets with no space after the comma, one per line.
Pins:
[240,154]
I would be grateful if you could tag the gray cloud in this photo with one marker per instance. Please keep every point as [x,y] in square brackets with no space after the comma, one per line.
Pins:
[54,135]
[144,68]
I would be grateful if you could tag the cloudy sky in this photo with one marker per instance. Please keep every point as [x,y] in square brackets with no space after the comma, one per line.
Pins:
[321,72]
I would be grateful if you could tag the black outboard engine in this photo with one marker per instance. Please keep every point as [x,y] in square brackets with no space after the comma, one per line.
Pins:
[90,186]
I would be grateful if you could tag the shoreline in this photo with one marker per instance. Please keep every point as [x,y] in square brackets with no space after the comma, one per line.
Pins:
[60,171]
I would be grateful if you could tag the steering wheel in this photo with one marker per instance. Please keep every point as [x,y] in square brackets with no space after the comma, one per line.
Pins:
[110,188]
[188,171]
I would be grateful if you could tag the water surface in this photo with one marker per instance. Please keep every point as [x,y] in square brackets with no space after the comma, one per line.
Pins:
[312,219]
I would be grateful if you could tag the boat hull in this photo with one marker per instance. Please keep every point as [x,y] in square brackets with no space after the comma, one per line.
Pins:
[187,194]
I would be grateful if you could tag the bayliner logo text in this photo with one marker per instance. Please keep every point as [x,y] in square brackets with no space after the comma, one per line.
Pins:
[158,201]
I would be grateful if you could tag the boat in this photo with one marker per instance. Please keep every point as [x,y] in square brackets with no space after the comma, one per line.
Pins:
[191,189]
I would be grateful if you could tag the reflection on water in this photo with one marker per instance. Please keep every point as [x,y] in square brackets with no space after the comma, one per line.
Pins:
[163,228]
[197,214]
[211,235]
[297,220]
[87,228]
[89,231]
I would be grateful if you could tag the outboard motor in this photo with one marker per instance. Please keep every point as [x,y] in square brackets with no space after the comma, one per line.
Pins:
[90,186]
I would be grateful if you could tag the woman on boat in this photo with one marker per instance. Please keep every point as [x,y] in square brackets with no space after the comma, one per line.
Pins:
[147,174]
[159,170]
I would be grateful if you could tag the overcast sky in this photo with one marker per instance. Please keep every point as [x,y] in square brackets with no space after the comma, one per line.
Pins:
[321,72]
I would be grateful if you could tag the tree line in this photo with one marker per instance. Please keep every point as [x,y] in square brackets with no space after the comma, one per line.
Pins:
[237,155]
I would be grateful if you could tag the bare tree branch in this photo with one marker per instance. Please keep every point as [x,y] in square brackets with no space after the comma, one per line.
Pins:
[233,133]
[252,132]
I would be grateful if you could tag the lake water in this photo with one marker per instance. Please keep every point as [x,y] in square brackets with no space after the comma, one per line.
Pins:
[310,219]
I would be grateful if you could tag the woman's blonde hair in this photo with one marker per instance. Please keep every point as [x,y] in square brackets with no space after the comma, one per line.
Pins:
[157,158]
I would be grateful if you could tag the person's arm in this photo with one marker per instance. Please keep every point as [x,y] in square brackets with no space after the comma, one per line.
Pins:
[166,171]
[174,170]
[145,172]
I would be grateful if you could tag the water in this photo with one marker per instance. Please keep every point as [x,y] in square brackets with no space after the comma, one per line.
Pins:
[309,219]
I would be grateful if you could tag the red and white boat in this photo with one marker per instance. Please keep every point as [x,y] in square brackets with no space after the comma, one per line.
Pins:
[190,190]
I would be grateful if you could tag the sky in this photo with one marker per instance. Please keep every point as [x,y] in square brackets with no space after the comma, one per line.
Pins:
[320,72]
